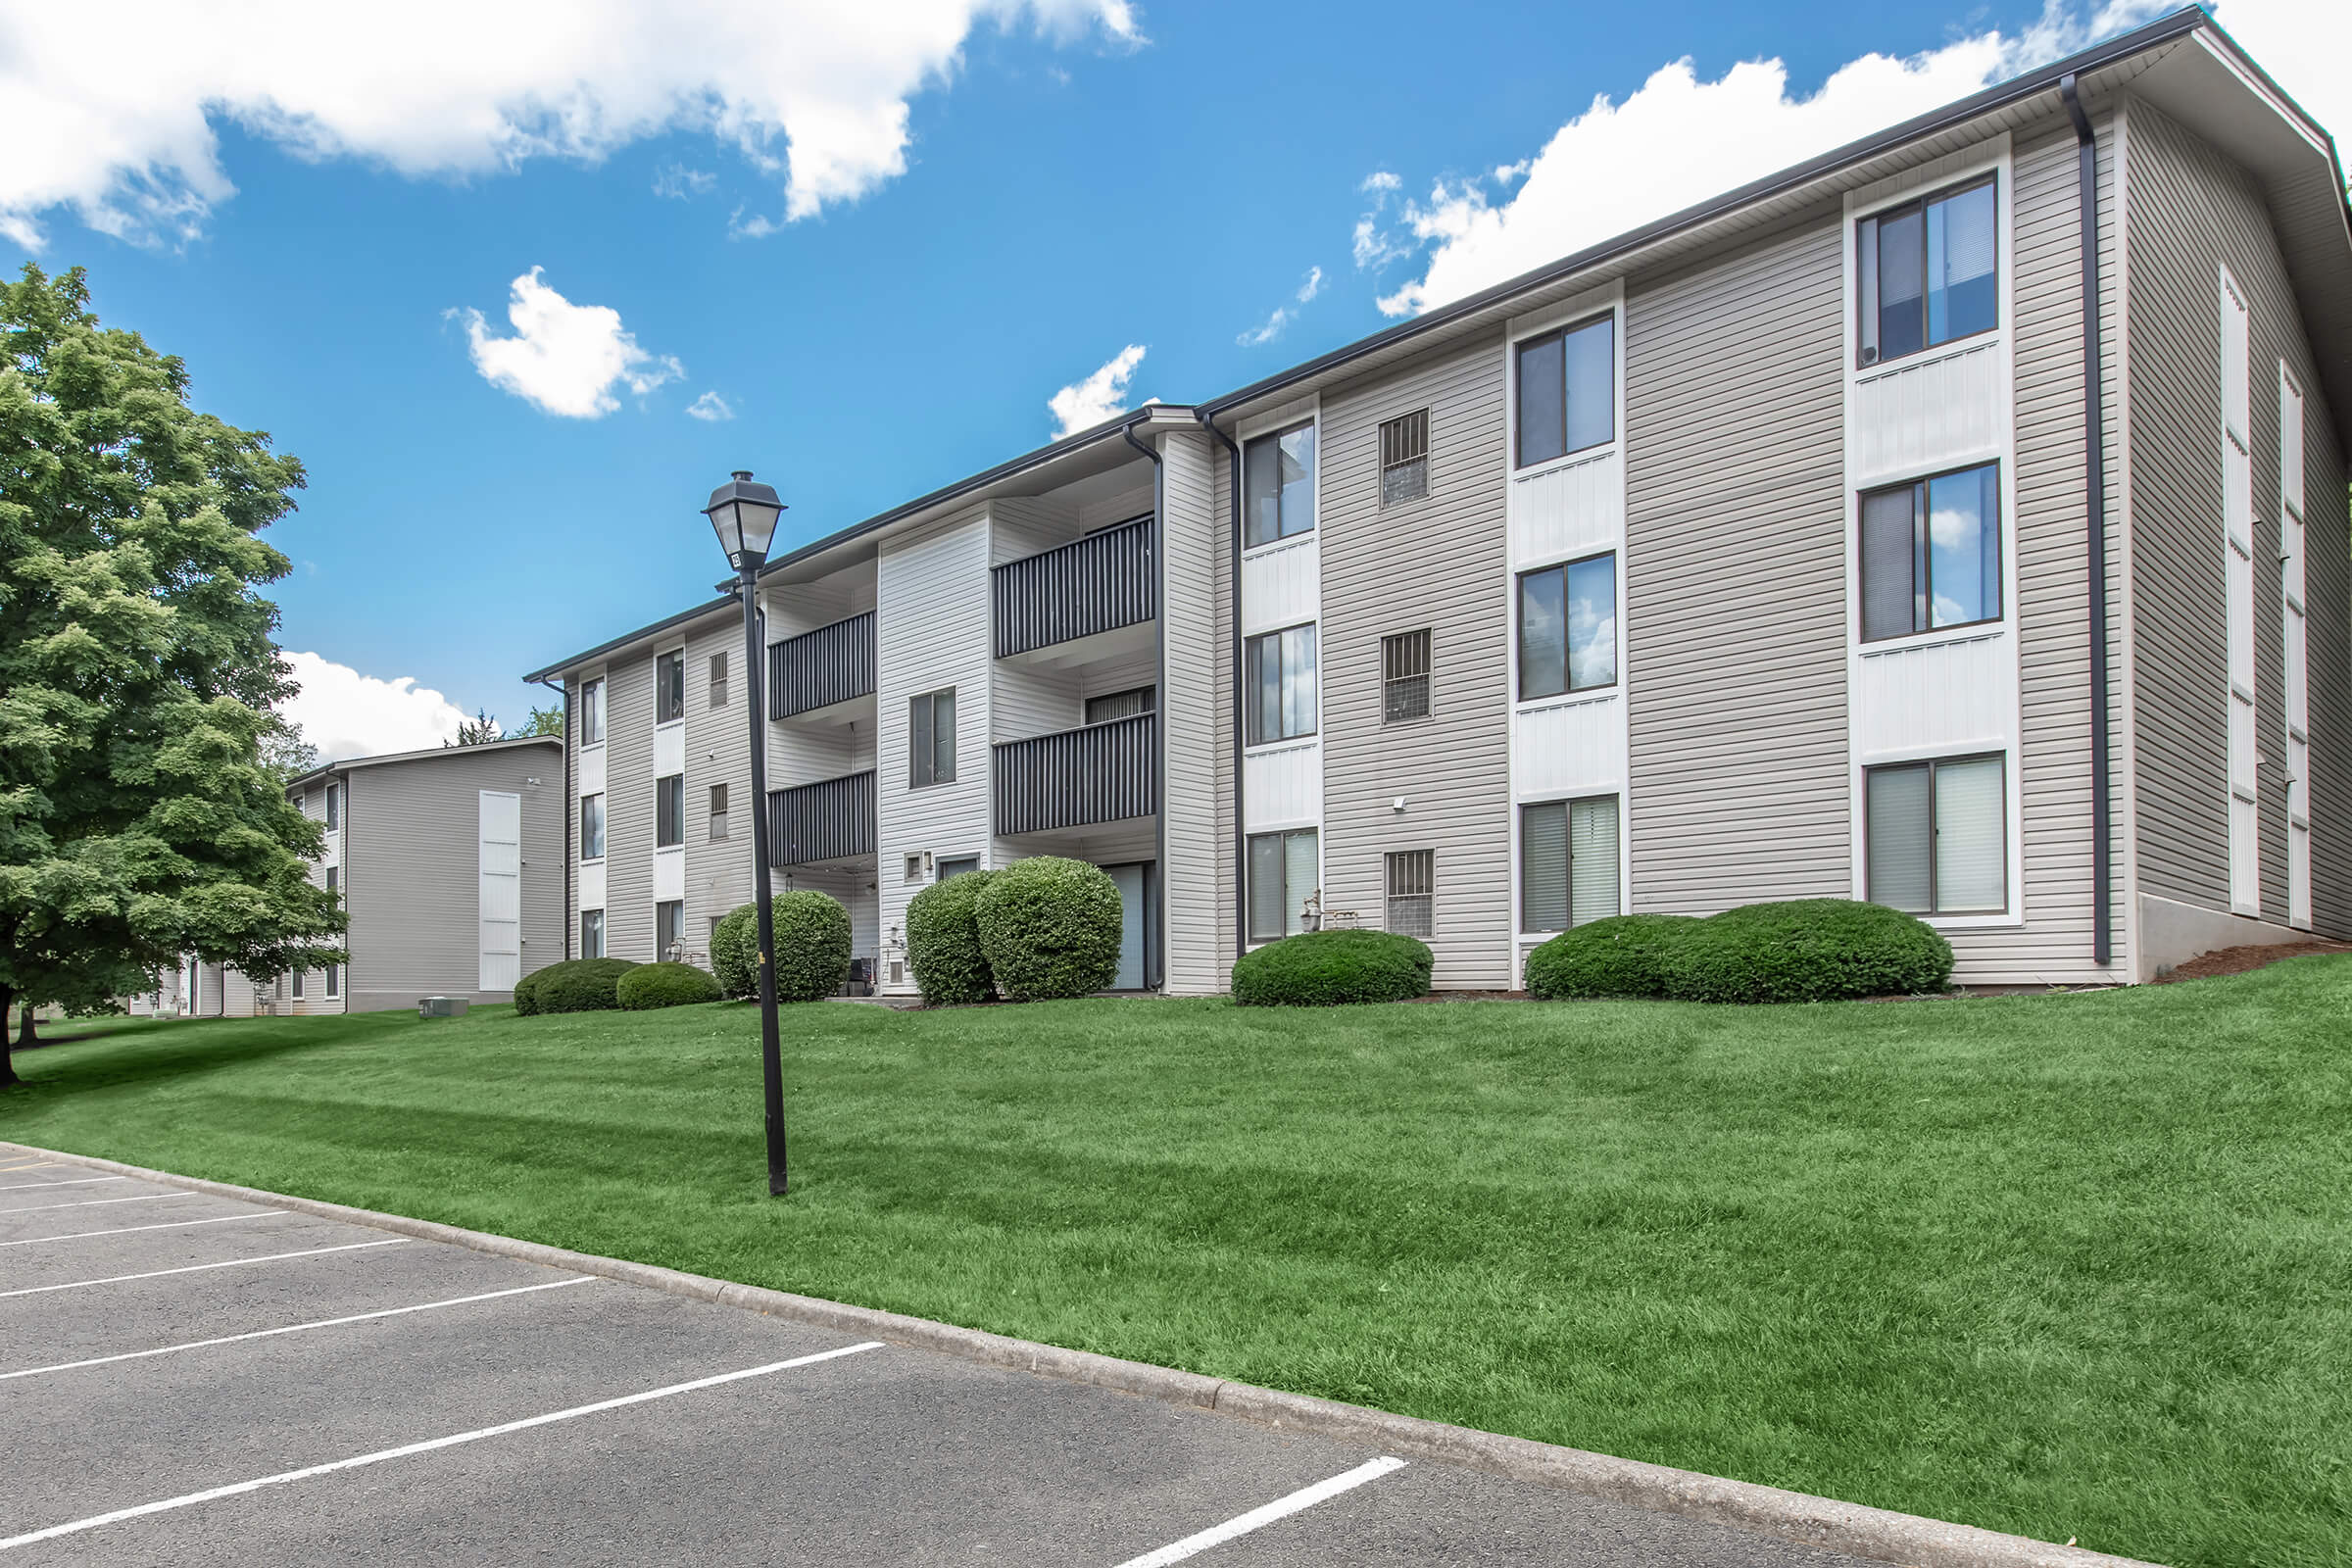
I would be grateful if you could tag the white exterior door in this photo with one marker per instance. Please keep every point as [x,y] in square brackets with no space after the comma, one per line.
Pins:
[501,889]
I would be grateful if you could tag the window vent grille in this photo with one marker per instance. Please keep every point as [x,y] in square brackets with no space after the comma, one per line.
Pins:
[1412,893]
[1405,458]
[1404,677]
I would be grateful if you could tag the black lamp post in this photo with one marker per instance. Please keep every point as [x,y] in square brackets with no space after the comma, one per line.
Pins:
[744,517]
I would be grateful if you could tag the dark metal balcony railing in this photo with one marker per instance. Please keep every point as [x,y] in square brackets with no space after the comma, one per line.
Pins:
[1095,584]
[817,669]
[1078,776]
[832,819]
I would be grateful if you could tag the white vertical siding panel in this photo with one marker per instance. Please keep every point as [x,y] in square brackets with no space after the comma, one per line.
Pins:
[1281,585]
[1567,511]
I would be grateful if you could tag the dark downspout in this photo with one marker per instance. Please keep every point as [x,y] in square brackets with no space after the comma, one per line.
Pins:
[1233,583]
[570,832]
[2095,426]
[1160,699]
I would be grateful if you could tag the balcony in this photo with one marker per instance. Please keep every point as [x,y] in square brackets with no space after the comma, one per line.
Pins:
[1077,777]
[1086,589]
[821,670]
[832,819]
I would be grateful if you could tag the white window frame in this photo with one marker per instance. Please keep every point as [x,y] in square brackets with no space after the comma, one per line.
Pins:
[603,707]
[1567,798]
[679,654]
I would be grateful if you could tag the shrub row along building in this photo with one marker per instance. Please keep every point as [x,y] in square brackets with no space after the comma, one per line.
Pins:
[1957,521]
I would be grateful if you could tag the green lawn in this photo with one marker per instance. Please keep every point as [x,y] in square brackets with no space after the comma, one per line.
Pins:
[2074,1266]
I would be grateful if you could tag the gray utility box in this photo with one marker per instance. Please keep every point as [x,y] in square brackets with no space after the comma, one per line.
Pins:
[441,1008]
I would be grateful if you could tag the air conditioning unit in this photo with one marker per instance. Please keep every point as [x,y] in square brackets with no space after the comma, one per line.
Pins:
[441,1006]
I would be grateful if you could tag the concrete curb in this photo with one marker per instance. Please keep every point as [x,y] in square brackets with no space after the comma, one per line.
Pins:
[1845,1526]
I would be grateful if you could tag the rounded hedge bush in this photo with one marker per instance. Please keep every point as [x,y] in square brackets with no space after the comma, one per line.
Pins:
[943,940]
[525,1004]
[580,985]
[1624,955]
[1808,950]
[1326,968]
[813,946]
[735,952]
[666,985]
[1051,928]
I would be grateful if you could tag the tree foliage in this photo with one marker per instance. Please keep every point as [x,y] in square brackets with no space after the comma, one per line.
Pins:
[479,730]
[543,722]
[139,818]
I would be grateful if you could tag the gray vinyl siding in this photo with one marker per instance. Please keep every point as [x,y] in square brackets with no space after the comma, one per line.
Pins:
[932,631]
[2053,767]
[719,877]
[1734,578]
[1439,564]
[629,807]
[412,873]
[1196,715]
[2191,211]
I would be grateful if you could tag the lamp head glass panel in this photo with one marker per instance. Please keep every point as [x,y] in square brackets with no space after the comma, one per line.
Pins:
[742,514]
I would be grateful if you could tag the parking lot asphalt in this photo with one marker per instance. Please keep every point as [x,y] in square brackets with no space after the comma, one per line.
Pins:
[187,1378]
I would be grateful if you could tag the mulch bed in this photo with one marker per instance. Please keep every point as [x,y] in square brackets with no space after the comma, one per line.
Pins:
[2239,961]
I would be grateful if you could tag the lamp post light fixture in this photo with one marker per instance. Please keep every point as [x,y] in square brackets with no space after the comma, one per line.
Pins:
[742,514]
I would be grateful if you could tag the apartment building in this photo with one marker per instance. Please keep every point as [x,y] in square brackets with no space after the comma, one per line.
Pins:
[449,864]
[1957,521]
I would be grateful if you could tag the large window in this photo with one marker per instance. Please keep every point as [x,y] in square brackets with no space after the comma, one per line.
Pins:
[931,739]
[591,711]
[1568,627]
[1567,391]
[1412,876]
[1567,863]
[592,827]
[1936,836]
[669,930]
[669,811]
[1285,871]
[1121,705]
[1403,677]
[718,812]
[1279,679]
[1278,484]
[591,933]
[669,687]
[1930,272]
[1931,554]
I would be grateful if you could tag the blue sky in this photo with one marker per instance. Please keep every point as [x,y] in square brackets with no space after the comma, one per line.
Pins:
[1165,177]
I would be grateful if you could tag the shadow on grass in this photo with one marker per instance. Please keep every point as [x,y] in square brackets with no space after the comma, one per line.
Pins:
[185,1049]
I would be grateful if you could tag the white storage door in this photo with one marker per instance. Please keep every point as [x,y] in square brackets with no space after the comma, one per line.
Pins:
[501,892]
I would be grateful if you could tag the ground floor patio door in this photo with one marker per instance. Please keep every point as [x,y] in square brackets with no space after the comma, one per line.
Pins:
[1138,925]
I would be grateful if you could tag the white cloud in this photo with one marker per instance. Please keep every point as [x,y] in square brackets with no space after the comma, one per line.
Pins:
[2303,44]
[124,136]
[1678,140]
[711,409]
[564,358]
[1284,315]
[1381,179]
[677,182]
[1089,402]
[345,714]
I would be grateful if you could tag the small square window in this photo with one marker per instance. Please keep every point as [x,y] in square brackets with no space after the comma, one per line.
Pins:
[914,868]
[1412,893]
[1404,458]
[1404,677]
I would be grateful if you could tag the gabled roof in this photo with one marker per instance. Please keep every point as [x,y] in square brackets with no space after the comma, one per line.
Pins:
[2183,60]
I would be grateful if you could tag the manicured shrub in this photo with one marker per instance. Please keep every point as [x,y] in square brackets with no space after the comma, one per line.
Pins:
[1326,968]
[581,985]
[735,952]
[526,1002]
[943,940]
[665,985]
[813,946]
[1051,928]
[1624,955]
[1806,950]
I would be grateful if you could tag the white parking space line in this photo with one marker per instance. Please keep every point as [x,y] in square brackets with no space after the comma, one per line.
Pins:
[295,1328]
[94,1203]
[178,1224]
[405,1450]
[79,1181]
[198,1268]
[1280,1508]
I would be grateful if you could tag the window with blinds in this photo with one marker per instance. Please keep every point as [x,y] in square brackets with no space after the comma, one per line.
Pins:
[1404,677]
[1935,835]
[1412,893]
[1404,458]
[1568,872]
[1929,273]
[1285,871]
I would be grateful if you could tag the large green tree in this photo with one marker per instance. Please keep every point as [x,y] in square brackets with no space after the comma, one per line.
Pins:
[139,819]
